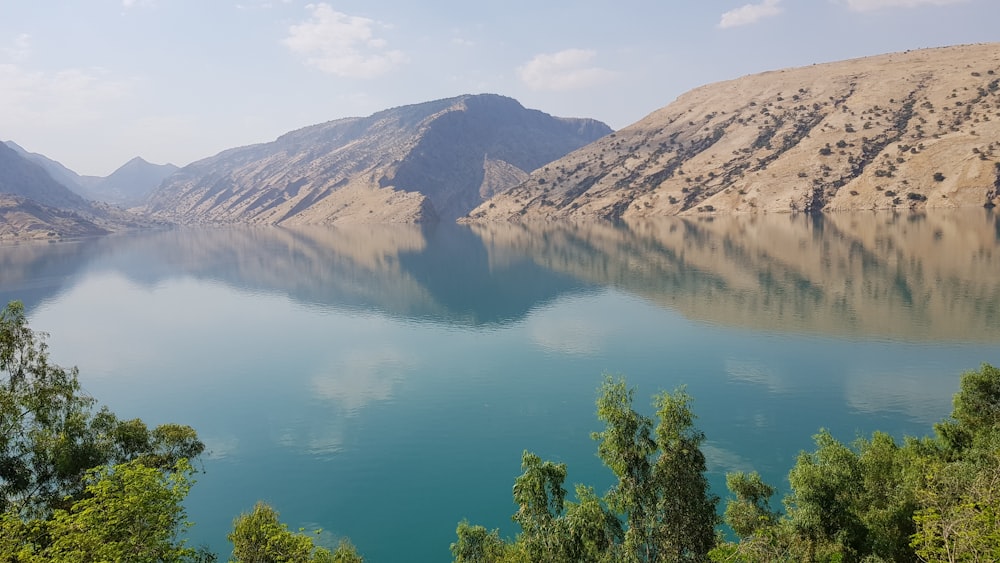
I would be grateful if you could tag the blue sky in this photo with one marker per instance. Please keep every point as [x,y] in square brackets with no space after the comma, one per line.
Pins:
[93,83]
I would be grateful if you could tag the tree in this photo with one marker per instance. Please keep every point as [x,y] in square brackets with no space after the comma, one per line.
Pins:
[477,545]
[132,513]
[625,446]
[553,529]
[662,490]
[260,537]
[975,414]
[751,510]
[78,484]
[50,435]
[685,508]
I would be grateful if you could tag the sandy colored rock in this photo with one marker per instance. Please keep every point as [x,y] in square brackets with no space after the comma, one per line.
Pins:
[426,162]
[919,129]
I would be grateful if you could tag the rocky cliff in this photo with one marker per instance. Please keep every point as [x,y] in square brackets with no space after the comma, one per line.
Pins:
[919,129]
[436,160]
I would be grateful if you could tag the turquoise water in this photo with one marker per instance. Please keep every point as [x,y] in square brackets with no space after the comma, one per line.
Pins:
[381,382]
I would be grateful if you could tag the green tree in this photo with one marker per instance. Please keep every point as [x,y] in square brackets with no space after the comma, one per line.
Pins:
[959,517]
[78,484]
[553,529]
[477,545]
[625,446]
[751,510]
[661,490]
[976,411]
[259,536]
[132,513]
[685,508]
[50,435]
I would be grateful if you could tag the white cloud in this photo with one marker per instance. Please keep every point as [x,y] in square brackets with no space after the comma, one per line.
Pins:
[750,13]
[565,70]
[340,44]
[871,5]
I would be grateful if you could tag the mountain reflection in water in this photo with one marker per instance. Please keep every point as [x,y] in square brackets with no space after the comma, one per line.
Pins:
[913,277]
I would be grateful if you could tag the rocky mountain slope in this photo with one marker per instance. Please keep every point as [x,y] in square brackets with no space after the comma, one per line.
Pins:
[24,178]
[919,129]
[35,206]
[436,160]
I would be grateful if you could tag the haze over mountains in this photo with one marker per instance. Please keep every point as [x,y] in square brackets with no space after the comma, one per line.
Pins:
[910,130]
[127,186]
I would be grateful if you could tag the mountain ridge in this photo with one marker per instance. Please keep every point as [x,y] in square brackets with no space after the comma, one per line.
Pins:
[421,162]
[910,130]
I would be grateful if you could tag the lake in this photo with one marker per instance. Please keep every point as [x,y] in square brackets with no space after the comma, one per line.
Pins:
[381,381]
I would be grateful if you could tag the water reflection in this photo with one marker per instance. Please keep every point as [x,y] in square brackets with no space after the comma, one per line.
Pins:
[909,277]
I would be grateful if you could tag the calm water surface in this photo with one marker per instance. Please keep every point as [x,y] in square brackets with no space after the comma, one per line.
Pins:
[381,382]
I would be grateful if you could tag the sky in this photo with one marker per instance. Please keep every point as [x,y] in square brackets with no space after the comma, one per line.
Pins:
[94,83]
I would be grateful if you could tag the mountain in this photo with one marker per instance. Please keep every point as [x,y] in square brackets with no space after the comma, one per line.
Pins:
[127,186]
[919,129]
[71,180]
[435,160]
[132,183]
[22,177]
[35,206]
[24,219]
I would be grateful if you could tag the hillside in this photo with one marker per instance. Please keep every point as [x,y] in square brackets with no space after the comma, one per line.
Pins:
[127,186]
[919,129]
[22,177]
[23,219]
[435,160]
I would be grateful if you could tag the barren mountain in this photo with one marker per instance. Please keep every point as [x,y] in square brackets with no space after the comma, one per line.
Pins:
[919,129]
[435,160]
[128,185]
[22,177]
[34,205]
[23,219]
[132,183]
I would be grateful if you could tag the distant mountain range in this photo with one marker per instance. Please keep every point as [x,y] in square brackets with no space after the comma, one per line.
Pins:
[914,130]
[431,161]
[41,199]
[127,186]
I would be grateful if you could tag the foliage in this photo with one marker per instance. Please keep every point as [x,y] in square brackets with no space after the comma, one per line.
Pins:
[260,537]
[659,510]
[933,499]
[50,436]
[132,512]
[78,484]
